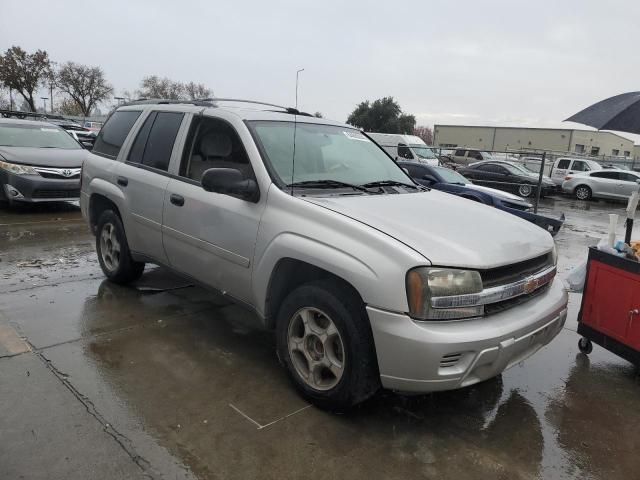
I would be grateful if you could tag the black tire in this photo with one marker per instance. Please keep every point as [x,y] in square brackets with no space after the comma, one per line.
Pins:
[585,345]
[583,192]
[124,269]
[360,377]
[526,190]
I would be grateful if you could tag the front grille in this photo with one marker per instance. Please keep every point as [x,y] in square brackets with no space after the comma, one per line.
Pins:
[56,193]
[498,307]
[515,272]
[57,176]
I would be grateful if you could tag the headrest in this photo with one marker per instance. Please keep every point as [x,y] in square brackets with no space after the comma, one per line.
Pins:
[216,144]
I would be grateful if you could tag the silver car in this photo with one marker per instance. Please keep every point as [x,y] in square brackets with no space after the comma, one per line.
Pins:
[368,279]
[609,184]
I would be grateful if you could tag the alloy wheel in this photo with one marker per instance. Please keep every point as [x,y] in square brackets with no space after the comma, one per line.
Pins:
[524,190]
[582,193]
[316,348]
[109,247]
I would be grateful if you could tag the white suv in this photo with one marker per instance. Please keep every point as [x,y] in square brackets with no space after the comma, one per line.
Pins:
[368,279]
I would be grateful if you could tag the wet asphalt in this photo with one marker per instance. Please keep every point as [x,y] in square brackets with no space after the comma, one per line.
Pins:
[163,379]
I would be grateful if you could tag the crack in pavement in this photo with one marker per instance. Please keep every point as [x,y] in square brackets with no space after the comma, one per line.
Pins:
[122,440]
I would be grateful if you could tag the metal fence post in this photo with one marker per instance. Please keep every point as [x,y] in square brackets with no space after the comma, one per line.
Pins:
[535,207]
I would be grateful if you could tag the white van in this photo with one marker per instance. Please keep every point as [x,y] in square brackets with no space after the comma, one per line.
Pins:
[405,147]
[564,166]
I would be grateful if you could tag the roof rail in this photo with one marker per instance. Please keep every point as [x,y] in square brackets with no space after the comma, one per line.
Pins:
[291,110]
[165,101]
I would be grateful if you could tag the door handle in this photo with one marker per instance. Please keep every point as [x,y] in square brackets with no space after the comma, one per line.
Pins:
[632,313]
[177,200]
[123,181]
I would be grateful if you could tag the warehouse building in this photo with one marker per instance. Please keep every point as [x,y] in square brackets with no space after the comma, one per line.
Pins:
[584,142]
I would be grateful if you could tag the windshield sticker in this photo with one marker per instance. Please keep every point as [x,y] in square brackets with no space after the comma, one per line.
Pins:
[49,130]
[353,135]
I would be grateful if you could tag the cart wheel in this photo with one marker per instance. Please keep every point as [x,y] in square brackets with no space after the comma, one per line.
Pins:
[585,345]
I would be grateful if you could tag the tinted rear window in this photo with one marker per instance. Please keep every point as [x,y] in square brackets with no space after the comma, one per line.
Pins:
[114,133]
[157,151]
[609,175]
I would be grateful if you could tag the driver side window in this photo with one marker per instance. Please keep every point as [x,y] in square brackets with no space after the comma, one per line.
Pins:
[213,143]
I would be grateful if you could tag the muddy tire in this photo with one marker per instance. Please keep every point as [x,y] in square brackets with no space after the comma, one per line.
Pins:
[583,192]
[113,250]
[325,342]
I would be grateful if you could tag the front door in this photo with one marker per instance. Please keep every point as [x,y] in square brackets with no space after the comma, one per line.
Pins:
[143,179]
[211,236]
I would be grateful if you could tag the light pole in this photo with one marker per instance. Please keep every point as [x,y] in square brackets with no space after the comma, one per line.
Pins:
[44,102]
[297,76]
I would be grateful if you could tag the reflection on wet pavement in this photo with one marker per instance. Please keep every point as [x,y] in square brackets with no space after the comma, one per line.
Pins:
[182,378]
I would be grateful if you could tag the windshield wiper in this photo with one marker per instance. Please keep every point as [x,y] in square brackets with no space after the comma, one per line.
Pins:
[389,183]
[328,184]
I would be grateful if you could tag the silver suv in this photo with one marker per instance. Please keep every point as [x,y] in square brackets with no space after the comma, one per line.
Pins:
[368,279]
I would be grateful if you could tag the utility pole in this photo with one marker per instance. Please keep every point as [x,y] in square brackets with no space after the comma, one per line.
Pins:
[51,97]
[10,98]
[297,75]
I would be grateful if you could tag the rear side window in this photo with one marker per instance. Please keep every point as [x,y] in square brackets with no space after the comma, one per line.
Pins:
[154,142]
[459,153]
[609,175]
[563,164]
[113,134]
[628,177]
[579,166]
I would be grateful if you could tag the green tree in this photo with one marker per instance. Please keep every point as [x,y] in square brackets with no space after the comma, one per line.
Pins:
[24,72]
[383,115]
[85,85]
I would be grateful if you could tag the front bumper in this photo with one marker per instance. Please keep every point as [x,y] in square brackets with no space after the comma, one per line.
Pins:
[429,356]
[34,188]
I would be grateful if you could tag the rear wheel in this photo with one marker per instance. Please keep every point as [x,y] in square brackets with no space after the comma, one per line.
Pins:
[113,250]
[525,190]
[325,341]
[583,192]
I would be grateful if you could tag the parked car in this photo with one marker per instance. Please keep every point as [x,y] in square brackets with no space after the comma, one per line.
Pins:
[507,176]
[450,181]
[610,184]
[82,135]
[93,126]
[465,156]
[408,147]
[564,166]
[367,278]
[39,162]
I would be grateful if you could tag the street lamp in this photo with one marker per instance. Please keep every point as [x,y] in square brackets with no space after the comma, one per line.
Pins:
[297,75]
[44,102]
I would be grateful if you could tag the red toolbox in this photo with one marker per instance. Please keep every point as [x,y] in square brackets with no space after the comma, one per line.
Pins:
[610,310]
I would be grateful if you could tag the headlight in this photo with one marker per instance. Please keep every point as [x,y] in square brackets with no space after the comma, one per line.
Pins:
[426,283]
[17,168]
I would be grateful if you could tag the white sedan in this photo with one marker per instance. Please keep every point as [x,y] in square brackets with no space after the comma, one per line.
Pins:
[609,184]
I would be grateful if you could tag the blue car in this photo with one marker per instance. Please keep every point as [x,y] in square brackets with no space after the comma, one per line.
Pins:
[447,180]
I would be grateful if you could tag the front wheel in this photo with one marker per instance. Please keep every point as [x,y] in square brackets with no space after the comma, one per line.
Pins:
[113,250]
[325,342]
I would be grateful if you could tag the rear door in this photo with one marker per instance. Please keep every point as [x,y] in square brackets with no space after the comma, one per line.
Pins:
[605,183]
[143,178]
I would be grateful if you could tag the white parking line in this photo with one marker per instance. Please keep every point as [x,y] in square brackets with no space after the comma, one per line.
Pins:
[260,427]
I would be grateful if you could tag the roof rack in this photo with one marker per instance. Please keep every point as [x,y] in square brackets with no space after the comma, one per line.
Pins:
[211,102]
[22,115]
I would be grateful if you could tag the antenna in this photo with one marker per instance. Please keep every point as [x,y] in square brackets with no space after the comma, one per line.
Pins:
[295,128]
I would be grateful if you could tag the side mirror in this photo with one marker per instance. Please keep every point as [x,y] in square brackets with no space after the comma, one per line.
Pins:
[230,181]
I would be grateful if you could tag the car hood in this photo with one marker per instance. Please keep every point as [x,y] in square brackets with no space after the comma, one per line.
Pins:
[498,193]
[44,157]
[447,230]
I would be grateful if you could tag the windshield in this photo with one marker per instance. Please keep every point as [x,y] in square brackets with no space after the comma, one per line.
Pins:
[450,176]
[324,152]
[423,152]
[45,136]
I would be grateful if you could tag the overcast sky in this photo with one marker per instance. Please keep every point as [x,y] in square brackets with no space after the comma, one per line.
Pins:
[463,62]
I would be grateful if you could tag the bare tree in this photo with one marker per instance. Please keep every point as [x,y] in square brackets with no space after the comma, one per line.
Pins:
[24,72]
[425,133]
[157,87]
[85,85]
[68,106]
[197,91]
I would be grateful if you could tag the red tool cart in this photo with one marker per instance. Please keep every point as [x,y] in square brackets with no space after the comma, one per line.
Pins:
[610,310]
